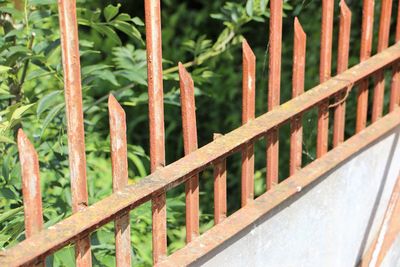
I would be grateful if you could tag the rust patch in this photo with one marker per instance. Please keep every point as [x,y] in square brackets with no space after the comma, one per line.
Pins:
[190,145]
[74,113]
[296,127]
[248,114]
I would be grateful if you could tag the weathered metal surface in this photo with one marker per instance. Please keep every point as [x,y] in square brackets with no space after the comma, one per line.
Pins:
[31,192]
[398,24]
[389,231]
[365,53]
[190,145]
[395,84]
[219,189]
[342,65]
[325,74]
[274,87]
[271,204]
[119,160]
[383,42]
[395,88]
[75,128]
[157,183]
[296,126]
[248,114]
[32,195]
[156,118]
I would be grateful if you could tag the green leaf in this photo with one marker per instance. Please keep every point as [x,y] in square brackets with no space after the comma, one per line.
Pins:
[7,193]
[91,69]
[4,139]
[107,75]
[15,13]
[249,7]
[123,17]
[111,11]
[17,114]
[65,257]
[138,21]
[138,164]
[51,115]
[9,214]
[263,6]
[128,29]
[107,31]
[4,69]
[47,101]
[84,22]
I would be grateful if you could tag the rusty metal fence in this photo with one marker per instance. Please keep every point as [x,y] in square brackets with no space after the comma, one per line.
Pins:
[329,96]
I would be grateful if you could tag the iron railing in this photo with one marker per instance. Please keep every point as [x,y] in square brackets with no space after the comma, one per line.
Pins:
[331,94]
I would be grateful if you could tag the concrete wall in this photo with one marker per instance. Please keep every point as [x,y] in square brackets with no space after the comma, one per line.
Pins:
[330,224]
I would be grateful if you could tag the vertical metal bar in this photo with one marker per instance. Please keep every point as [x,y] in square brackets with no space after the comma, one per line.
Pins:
[156,116]
[274,84]
[383,43]
[398,23]
[395,84]
[119,160]
[76,136]
[219,189]
[325,74]
[190,145]
[31,193]
[248,114]
[342,65]
[365,53]
[296,128]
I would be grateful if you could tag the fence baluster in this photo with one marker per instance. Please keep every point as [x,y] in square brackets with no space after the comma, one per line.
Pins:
[365,53]
[31,193]
[274,84]
[325,74]
[156,116]
[342,65]
[395,86]
[219,188]
[248,114]
[296,128]
[383,43]
[190,145]
[119,160]
[76,136]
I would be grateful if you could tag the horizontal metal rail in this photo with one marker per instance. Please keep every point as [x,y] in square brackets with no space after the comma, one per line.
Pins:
[84,222]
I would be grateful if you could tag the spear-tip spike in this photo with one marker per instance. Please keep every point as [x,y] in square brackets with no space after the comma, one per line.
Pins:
[298,29]
[184,76]
[114,105]
[21,136]
[247,51]
[344,10]
[24,144]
